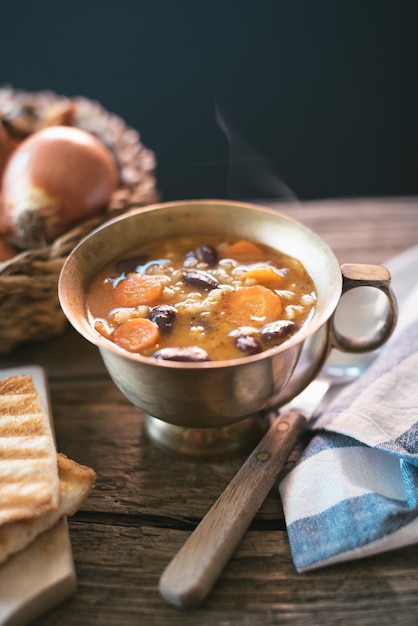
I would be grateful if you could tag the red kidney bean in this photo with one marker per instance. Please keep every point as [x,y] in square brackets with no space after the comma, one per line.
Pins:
[275,330]
[130,264]
[182,353]
[164,316]
[208,254]
[199,279]
[249,344]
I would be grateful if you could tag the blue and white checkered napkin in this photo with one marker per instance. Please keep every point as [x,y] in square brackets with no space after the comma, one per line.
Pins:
[354,491]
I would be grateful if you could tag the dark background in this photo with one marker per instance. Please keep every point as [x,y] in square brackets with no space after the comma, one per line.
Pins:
[246,99]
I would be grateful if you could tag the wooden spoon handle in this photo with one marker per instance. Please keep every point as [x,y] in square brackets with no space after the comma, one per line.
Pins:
[189,577]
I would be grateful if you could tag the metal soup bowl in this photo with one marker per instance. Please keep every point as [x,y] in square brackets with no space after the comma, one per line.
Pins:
[181,398]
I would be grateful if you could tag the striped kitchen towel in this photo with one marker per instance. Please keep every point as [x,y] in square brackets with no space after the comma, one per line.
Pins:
[354,491]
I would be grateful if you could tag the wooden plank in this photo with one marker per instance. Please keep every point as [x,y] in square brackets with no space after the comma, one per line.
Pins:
[147,480]
[119,568]
[361,230]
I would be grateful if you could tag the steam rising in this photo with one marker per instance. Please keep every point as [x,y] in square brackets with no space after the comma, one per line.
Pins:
[250,174]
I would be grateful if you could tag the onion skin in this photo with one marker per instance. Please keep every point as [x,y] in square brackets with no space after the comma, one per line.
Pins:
[54,179]
[7,145]
[6,251]
[4,152]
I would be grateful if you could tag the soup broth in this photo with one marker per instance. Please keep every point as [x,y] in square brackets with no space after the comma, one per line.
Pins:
[200,299]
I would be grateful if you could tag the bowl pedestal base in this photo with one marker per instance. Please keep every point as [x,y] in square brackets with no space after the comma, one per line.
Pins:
[217,443]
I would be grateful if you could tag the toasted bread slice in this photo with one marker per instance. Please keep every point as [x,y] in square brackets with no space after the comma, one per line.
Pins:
[75,483]
[29,483]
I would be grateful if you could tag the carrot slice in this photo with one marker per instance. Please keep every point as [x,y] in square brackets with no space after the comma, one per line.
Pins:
[266,276]
[255,305]
[103,328]
[136,334]
[243,250]
[137,289]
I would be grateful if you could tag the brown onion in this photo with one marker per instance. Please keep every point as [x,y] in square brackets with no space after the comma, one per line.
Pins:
[55,178]
[6,250]
[7,145]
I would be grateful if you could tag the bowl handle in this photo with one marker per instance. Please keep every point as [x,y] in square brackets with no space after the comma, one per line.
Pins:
[354,275]
[358,275]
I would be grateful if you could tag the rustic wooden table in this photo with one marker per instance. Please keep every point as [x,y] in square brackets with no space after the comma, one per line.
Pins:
[145,503]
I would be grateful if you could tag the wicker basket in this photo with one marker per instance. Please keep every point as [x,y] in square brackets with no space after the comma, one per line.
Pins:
[29,306]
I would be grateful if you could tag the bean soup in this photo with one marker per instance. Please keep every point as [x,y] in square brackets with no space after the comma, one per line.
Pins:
[201,299]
